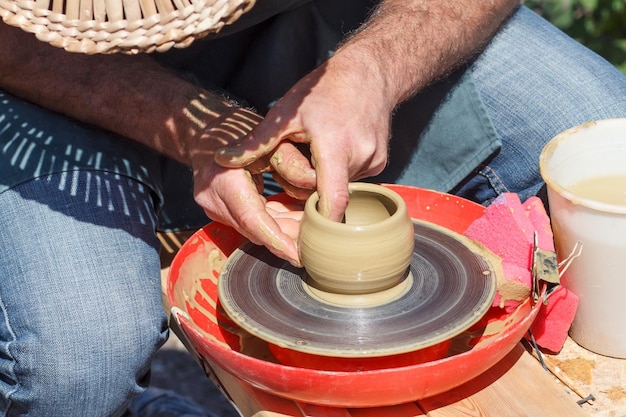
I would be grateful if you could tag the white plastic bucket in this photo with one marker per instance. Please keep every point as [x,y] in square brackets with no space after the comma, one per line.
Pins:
[598,275]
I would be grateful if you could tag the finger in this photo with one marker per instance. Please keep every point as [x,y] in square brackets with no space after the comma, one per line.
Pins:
[292,165]
[291,227]
[259,166]
[293,209]
[332,182]
[254,146]
[265,137]
[262,229]
[290,190]
[293,215]
[287,216]
[233,199]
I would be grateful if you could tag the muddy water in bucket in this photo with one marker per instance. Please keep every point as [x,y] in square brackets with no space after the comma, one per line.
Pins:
[585,170]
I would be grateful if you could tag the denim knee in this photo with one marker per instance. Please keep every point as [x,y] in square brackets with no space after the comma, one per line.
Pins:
[89,370]
[536,82]
[80,300]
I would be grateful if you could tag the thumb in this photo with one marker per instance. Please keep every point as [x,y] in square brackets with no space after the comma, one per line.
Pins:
[254,146]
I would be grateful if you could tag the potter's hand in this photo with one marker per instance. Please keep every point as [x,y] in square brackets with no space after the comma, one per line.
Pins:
[341,115]
[233,196]
[342,109]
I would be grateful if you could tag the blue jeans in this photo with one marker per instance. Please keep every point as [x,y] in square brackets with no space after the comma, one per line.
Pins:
[80,302]
[535,83]
[531,82]
[80,295]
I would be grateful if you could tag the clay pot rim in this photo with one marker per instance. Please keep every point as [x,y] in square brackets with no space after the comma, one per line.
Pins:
[401,210]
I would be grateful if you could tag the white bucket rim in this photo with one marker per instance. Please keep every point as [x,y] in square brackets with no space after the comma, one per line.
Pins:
[551,183]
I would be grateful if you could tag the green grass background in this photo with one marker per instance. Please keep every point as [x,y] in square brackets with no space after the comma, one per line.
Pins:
[598,24]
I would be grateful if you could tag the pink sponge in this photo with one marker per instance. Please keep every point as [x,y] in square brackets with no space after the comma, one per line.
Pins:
[541,223]
[554,319]
[506,230]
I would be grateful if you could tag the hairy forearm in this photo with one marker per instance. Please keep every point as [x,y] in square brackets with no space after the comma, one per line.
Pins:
[409,44]
[129,95]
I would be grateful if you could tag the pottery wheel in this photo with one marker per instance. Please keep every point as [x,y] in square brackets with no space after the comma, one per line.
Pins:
[452,287]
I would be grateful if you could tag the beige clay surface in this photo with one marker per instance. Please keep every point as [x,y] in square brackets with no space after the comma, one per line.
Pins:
[367,253]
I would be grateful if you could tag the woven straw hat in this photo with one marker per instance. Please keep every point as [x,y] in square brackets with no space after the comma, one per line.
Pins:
[127,26]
